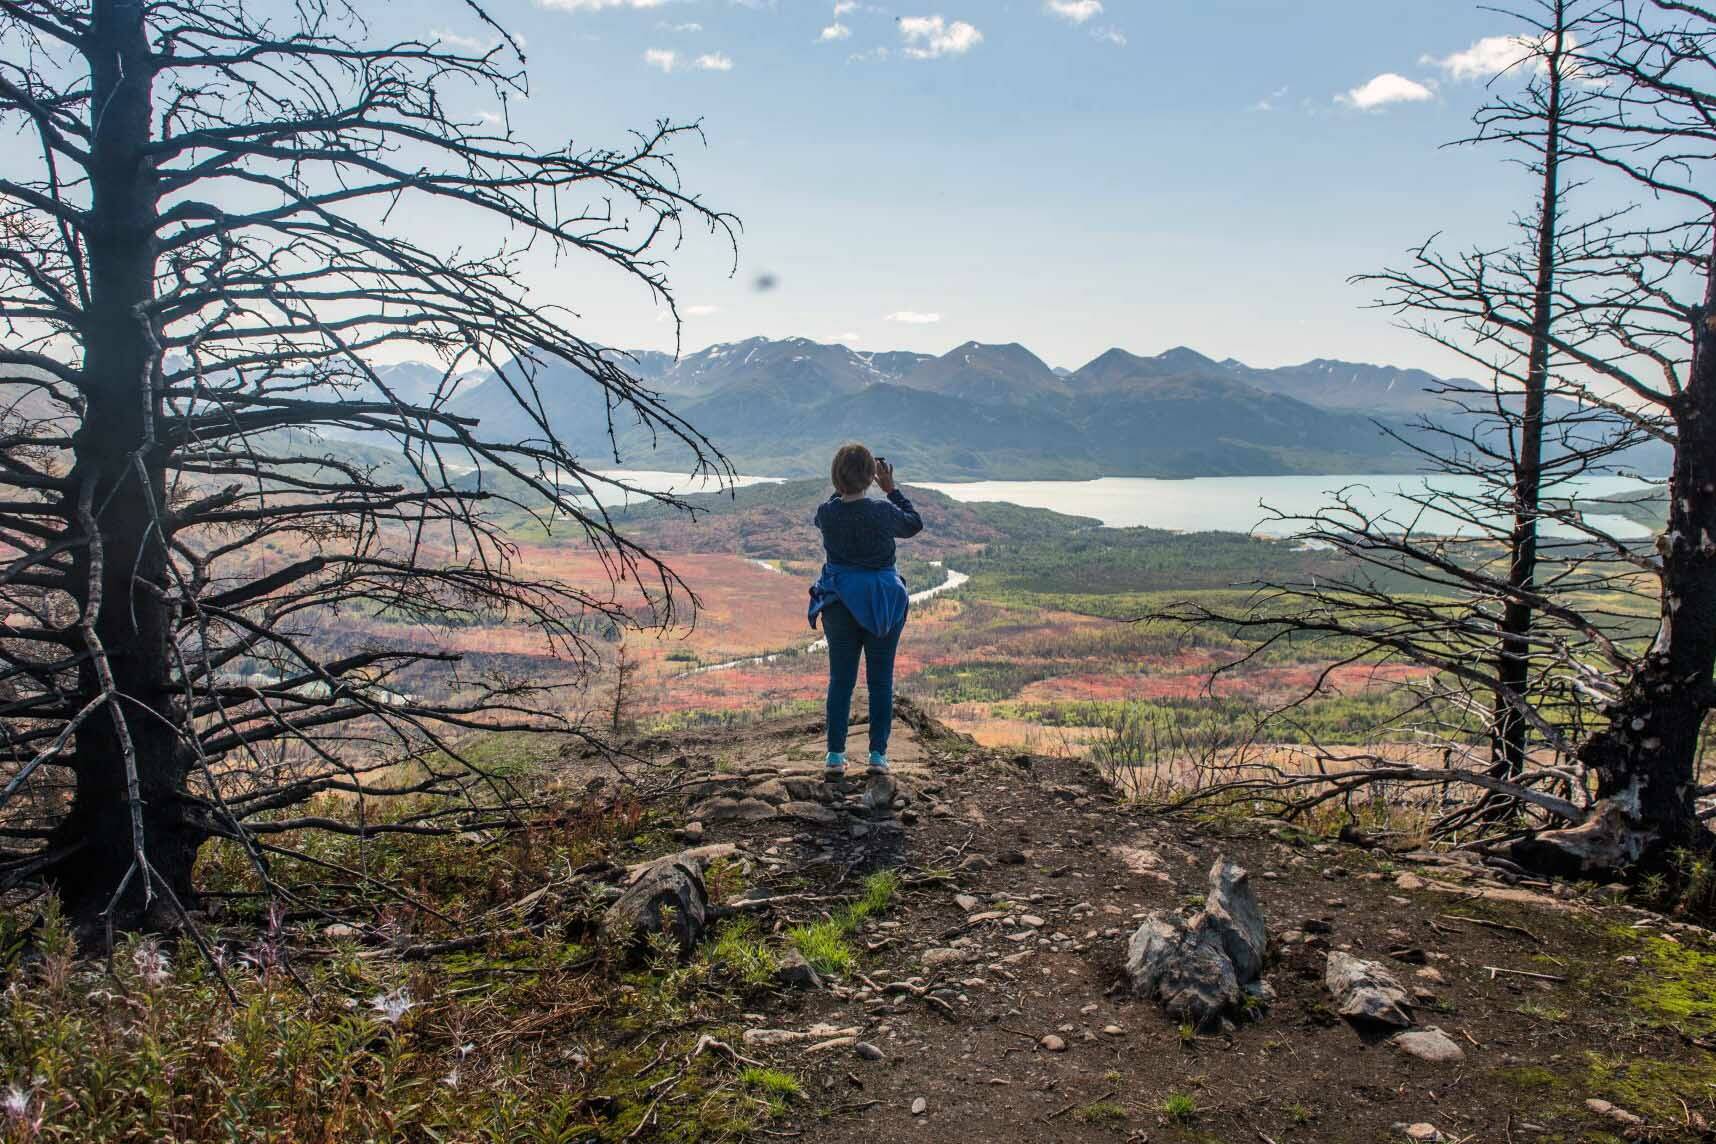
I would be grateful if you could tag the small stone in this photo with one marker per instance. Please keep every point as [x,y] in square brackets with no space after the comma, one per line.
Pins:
[966,902]
[795,972]
[1011,858]
[868,1051]
[1365,992]
[1113,1031]
[339,931]
[1430,1044]
[1617,1114]
[1052,1044]
[692,831]
[1424,1133]
[1409,882]
[1033,921]
[936,958]
[920,1106]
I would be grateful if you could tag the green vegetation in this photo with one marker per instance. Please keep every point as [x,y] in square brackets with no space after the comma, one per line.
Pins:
[743,949]
[1180,1106]
[1660,1091]
[1675,984]
[824,944]
[777,1089]
[1101,1112]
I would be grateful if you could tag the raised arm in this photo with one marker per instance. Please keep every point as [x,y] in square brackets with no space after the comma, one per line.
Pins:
[907,522]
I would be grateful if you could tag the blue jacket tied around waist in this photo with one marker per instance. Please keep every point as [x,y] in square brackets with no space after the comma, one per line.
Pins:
[858,539]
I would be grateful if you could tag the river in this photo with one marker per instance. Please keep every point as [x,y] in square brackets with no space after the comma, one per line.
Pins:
[953,580]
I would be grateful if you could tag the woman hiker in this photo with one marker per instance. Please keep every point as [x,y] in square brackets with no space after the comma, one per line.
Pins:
[860,597]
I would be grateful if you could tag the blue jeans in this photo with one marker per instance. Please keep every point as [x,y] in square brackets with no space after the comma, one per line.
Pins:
[846,639]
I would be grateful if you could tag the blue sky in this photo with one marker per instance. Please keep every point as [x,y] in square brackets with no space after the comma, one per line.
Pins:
[1062,173]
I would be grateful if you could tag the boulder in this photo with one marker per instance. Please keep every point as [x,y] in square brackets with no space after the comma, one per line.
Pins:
[1234,917]
[1182,965]
[1203,968]
[666,897]
[1365,992]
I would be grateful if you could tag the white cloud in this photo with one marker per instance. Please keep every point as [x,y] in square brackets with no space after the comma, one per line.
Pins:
[700,311]
[848,337]
[1109,36]
[1268,102]
[835,31]
[1385,89]
[715,61]
[844,7]
[931,37]
[463,43]
[1078,11]
[598,5]
[913,318]
[687,29]
[661,58]
[1485,59]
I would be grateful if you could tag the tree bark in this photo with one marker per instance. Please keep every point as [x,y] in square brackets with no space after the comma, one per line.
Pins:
[131,768]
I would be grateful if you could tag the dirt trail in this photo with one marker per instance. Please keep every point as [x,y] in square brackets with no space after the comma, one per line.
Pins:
[1024,878]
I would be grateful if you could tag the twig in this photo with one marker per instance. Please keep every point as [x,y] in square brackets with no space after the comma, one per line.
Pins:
[1495,969]
[1485,922]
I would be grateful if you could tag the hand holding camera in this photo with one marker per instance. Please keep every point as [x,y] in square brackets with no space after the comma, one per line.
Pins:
[884,475]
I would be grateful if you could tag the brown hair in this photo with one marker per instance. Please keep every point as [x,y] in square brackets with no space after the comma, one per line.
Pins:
[853,469]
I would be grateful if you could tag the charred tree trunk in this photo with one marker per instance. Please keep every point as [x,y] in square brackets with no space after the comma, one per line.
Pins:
[131,819]
[1646,758]
[1509,743]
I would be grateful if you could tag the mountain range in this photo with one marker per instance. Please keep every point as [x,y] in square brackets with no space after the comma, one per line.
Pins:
[780,407]
[980,411]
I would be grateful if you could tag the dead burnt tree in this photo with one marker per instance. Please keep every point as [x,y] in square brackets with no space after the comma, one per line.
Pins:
[1650,346]
[229,218]
[1634,342]
[1471,581]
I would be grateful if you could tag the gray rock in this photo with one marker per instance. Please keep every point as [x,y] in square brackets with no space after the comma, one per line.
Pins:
[868,1051]
[966,902]
[795,972]
[878,797]
[667,897]
[737,810]
[1429,1044]
[1365,992]
[1052,1044]
[812,812]
[1236,919]
[936,958]
[920,1106]
[1182,966]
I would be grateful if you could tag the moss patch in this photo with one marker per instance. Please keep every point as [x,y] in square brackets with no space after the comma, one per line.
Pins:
[1677,985]
[1660,1091]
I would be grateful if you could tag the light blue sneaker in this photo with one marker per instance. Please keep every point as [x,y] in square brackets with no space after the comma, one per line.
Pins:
[878,763]
[836,762]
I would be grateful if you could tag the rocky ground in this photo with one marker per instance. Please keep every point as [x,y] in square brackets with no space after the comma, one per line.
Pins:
[1403,995]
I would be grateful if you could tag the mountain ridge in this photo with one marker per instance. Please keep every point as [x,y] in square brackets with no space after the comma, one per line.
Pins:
[991,410]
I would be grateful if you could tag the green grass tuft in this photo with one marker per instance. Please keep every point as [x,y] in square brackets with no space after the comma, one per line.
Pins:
[1180,1106]
[824,945]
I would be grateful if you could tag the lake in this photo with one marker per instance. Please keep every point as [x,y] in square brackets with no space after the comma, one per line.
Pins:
[1211,504]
